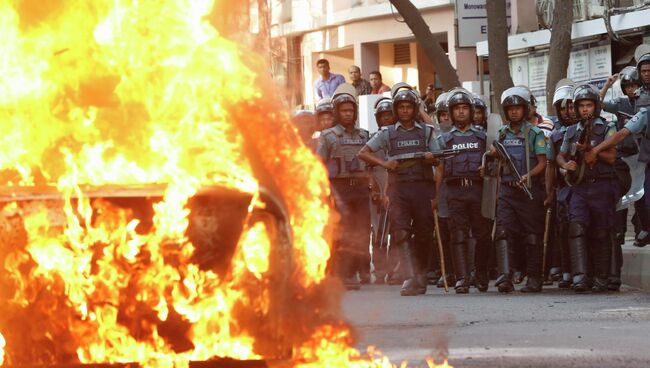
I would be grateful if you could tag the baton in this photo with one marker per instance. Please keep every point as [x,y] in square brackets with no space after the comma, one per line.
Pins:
[440,250]
[547,226]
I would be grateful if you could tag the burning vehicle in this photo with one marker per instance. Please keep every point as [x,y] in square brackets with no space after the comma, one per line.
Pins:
[158,209]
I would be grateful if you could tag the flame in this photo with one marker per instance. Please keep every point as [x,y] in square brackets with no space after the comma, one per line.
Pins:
[119,96]
[2,349]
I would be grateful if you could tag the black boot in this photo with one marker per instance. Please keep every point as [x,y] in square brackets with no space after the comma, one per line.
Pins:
[411,285]
[578,248]
[601,243]
[565,256]
[459,257]
[534,254]
[614,283]
[471,261]
[504,282]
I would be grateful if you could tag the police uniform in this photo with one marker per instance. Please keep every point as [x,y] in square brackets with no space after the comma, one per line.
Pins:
[410,191]
[381,259]
[464,192]
[561,208]
[349,183]
[591,209]
[517,215]
[626,148]
[558,251]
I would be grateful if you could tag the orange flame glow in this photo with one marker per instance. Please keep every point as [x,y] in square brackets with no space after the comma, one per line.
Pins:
[103,99]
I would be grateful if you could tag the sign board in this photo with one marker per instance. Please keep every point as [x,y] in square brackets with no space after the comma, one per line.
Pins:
[537,67]
[471,17]
[579,68]
[519,70]
[600,62]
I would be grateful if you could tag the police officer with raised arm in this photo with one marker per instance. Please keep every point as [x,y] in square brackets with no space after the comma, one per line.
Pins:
[338,147]
[594,192]
[411,188]
[636,126]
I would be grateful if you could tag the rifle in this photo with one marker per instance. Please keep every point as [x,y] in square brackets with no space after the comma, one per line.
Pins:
[505,156]
[629,116]
[442,154]
[573,178]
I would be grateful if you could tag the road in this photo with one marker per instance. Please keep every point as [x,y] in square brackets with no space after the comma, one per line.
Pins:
[556,328]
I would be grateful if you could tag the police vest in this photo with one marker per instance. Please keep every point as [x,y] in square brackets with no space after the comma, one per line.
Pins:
[466,164]
[516,147]
[403,141]
[642,100]
[628,146]
[344,162]
[600,170]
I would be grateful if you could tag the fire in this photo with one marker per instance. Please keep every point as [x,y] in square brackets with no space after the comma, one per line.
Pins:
[124,119]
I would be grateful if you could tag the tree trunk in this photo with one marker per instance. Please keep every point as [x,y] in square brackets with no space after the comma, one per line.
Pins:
[560,49]
[444,70]
[498,50]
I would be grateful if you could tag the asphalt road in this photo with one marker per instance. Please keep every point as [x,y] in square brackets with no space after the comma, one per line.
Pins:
[556,328]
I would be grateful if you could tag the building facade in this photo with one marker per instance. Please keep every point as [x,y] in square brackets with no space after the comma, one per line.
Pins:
[367,33]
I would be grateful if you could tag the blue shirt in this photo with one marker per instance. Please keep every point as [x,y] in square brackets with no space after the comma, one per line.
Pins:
[637,124]
[326,88]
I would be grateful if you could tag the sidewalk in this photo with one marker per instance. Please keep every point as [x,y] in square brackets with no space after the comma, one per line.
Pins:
[636,265]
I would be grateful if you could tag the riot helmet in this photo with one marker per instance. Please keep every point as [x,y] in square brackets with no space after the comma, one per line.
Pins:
[478,102]
[441,102]
[402,92]
[516,96]
[586,92]
[384,104]
[344,93]
[561,98]
[324,106]
[459,96]
[629,75]
[642,56]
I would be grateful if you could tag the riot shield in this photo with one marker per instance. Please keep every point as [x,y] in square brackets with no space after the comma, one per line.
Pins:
[637,172]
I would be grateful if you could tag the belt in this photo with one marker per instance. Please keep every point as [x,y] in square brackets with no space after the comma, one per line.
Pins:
[351,181]
[464,182]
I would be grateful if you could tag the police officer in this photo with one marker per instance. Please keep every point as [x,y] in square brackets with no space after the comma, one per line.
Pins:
[629,83]
[517,214]
[411,188]
[464,185]
[442,113]
[381,258]
[338,148]
[444,125]
[594,192]
[636,126]
[558,192]
[324,114]
[480,112]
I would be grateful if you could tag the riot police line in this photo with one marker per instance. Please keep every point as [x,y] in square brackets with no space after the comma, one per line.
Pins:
[463,200]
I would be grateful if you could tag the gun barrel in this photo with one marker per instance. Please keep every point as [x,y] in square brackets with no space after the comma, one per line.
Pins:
[629,116]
